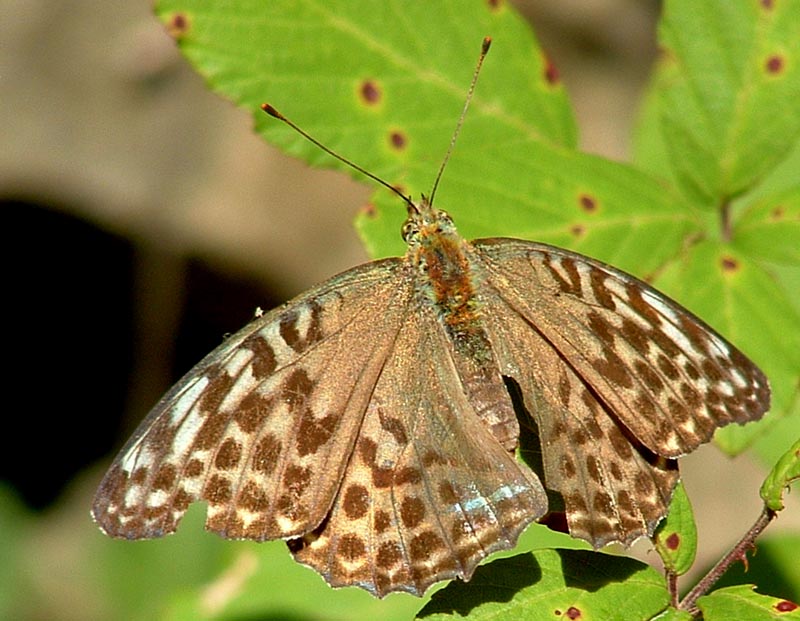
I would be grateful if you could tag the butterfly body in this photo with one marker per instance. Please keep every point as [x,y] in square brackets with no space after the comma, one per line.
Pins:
[448,277]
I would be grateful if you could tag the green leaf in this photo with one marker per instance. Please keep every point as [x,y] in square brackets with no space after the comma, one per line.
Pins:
[554,584]
[744,604]
[727,81]
[676,536]
[785,472]
[720,126]
[416,73]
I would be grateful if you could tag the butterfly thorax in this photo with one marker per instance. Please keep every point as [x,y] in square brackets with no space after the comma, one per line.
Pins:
[439,255]
[446,279]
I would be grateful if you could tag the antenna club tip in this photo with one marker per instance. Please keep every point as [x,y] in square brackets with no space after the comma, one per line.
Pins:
[271,111]
[487,42]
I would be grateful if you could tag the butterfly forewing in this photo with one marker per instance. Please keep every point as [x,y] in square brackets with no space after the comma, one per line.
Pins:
[262,428]
[667,376]
[428,492]
[619,380]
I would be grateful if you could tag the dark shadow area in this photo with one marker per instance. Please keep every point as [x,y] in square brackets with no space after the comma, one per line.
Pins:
[67,318]
[498,581]
[590,571]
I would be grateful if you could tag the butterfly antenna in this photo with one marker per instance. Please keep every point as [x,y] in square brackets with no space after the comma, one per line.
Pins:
[487,42]
[269,109]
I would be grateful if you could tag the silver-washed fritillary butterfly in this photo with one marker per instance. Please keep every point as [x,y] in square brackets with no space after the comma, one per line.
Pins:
[369,422]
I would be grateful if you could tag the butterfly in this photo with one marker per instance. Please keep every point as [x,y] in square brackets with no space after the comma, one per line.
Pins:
[371,421]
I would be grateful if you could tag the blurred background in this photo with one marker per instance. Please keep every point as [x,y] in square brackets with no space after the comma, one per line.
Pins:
[143,220]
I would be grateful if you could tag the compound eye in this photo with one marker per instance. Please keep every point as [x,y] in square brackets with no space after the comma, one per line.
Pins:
[445,220]
[409,230]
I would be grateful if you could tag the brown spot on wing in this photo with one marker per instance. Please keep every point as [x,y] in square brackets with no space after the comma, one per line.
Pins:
[356,502]
[313,432]
[228,455]
[264,362]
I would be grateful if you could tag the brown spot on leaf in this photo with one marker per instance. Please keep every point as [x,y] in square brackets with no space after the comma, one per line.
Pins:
[178,25]
[398,140]
[587,203]
[573,613]
[786,606]
[370,92]
[369,210]
[673,541]
[494,5]
[768,4]
[577,230]
[774,64]
[729,264]
[551,74]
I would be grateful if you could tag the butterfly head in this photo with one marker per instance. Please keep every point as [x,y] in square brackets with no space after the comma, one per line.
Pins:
[426,223]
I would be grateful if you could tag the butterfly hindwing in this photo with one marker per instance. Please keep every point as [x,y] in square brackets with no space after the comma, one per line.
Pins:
[429,492]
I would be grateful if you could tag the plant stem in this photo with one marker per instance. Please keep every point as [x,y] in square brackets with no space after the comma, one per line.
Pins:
[736,553]
[672,586]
